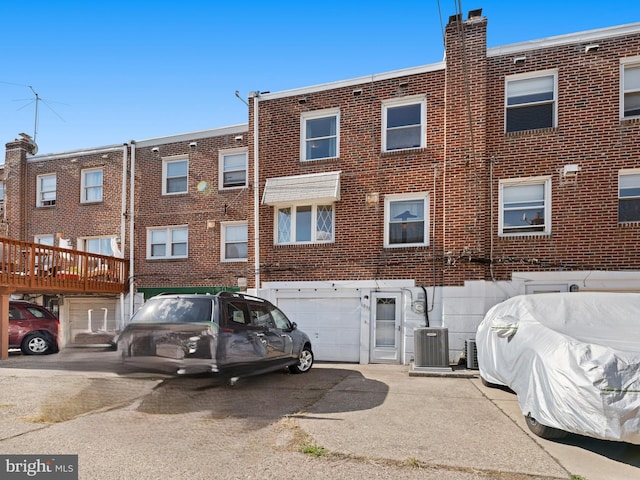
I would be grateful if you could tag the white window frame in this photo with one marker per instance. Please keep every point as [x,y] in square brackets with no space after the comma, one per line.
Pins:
[85,188]
[165,179]
[224,242]
[631,62]
[314,115]
[531,76]
[622,173]
[83,243]
[393,198]
[168,242]
[315,238]
[222,154]
[514,182]
[401,102]
[41,193]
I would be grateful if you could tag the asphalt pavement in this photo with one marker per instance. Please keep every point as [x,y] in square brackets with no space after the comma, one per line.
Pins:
[336,421]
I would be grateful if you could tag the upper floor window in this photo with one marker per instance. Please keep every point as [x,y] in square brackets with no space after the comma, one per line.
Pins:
[320,134]
[233,168]
[174,175]
[91,185]
[629,196]
[304,224]
[406,220]
[530,102]
[235,237]
[1,191]
[46,190]
[525,206]
[630,101]
[167,242]
[403,124]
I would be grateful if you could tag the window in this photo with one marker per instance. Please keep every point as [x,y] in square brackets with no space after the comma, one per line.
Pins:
[403,124]
[405,220]
[320,135]
[97,245]
[525,206]
[233,168]
[174,175]
[531,102]
[234,241]
[167,242]
[304,224]
[629,196]
[91,185]
[46,190]
[630,102]
[44,240]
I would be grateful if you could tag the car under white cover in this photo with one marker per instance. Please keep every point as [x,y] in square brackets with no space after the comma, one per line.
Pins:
[573,360]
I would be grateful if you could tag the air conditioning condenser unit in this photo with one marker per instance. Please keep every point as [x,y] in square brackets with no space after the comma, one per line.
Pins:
[431,348]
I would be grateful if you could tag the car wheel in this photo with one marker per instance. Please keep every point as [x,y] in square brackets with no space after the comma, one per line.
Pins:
[35,344]
[305,361]
[543,431]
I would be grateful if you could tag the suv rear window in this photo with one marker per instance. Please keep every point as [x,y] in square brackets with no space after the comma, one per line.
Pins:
[174,310]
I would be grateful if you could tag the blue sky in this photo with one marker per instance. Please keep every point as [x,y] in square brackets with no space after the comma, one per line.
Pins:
[109,72]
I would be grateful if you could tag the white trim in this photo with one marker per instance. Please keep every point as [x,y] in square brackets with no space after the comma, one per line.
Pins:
[174,159]
[221,156]
[39,190]
[633,62]
[312,115]
[587,36]
[531,75]
[168,242]
[223,233]
[388,199]
[83,184]
[514,182]
[404,101]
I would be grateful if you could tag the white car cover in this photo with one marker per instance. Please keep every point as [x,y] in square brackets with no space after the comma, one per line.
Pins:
[573,359]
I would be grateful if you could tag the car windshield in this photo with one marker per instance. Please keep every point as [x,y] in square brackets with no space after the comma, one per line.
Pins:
[174,310]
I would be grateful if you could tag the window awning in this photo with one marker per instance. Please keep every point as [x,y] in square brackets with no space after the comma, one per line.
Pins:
[316,188]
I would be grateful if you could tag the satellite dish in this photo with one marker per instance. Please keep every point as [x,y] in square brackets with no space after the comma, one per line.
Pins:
[33,147]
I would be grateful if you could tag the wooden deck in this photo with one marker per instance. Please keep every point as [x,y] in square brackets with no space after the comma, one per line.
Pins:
[34,268]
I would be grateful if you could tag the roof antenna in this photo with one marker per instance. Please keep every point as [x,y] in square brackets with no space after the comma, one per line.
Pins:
[241,99]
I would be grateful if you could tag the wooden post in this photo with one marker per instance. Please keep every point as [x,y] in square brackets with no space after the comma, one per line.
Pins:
[5,293]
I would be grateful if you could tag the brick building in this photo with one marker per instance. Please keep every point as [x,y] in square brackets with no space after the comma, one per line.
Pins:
[426,195]
[370,207]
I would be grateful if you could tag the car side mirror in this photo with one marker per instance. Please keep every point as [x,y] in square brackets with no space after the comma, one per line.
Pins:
[294,325]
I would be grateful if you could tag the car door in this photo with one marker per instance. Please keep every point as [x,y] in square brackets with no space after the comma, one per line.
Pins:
[241,342]
[275,342]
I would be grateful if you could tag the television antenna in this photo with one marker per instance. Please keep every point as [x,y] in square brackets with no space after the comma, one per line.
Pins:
[37,99]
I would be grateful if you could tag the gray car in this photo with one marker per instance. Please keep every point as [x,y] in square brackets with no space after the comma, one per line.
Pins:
[228,333]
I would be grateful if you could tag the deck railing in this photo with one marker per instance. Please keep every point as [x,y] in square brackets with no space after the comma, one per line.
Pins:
[32,267]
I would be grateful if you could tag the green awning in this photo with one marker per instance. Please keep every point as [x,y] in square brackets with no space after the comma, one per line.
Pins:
[153,291]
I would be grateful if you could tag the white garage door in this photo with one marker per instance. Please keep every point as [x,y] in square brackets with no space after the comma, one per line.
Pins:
[332,323]
[92,318]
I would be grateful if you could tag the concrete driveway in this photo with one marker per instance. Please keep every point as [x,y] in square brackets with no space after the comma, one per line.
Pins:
[337,421]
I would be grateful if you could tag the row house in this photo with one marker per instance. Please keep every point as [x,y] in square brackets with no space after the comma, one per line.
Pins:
[370,208]
[184,197]
[422,197]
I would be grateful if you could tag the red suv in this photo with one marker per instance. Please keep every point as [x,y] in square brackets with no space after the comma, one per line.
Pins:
[32,328]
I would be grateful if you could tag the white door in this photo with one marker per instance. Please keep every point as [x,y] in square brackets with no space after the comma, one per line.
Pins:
[331,321]
[386,327]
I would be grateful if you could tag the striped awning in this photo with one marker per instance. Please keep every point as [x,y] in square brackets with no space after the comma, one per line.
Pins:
[316,188]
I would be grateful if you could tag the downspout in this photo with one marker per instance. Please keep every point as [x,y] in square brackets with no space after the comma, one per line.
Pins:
[256,192]
[123,224]
[132,185]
